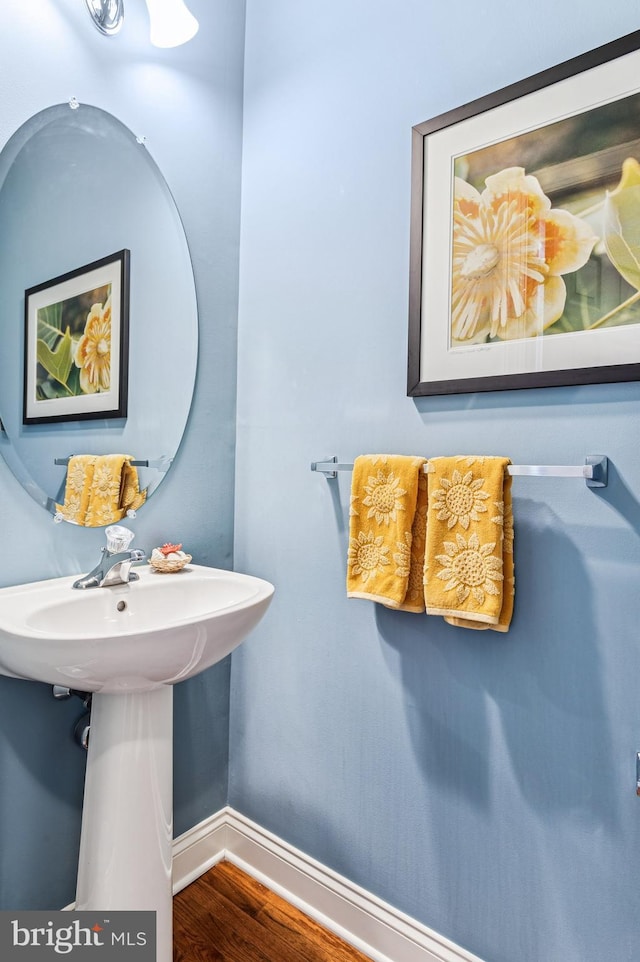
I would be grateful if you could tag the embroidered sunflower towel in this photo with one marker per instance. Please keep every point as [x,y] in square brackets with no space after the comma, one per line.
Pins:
[387,530]
[100,489]
[469,575]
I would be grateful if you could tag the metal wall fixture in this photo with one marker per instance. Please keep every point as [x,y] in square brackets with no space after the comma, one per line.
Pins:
[106,14]
[82,727]
[63,462]
[594,470]
[171,23]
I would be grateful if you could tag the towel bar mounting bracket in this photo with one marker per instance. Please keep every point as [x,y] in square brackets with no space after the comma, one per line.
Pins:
[599,470]
[328,467]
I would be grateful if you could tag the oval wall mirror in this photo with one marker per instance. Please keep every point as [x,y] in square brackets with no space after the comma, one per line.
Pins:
[76,188]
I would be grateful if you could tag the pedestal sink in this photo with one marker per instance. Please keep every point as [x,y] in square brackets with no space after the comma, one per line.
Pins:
[128,644]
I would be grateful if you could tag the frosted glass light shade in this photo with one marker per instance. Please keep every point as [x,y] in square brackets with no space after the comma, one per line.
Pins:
[171,23]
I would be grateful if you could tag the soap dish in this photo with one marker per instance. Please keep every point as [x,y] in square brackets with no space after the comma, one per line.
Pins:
[168,565]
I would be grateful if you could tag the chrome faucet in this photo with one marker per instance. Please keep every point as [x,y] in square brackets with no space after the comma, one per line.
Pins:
[114,567]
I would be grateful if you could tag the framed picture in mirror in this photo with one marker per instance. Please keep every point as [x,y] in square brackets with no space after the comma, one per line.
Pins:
[76,343]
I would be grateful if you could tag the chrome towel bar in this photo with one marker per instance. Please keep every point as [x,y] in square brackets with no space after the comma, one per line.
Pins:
[136,464]
[594,470]
[161,464]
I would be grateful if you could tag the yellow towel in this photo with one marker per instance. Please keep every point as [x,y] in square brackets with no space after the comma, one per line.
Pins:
[131,497]
[469,574]
[386,530]
[100,489]
[77,488]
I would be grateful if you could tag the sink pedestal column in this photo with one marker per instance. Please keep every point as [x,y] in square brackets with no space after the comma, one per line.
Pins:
[127,816]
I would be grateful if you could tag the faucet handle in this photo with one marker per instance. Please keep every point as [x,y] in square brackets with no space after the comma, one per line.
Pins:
[118,538]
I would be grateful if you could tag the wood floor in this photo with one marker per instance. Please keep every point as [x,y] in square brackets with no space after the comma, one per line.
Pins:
[226,916]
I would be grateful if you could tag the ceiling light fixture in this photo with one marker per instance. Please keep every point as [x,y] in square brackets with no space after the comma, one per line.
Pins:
[171,22]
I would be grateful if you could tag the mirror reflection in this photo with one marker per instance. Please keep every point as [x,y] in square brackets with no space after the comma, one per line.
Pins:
[77,189]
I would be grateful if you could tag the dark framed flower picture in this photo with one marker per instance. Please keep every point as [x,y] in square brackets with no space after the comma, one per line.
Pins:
[76,344]
[525,232]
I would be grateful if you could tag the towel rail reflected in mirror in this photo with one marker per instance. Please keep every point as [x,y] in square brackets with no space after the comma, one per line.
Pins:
[594,471]
[162,464]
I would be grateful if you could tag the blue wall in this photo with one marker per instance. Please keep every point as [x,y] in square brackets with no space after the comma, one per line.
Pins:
[484,784]
[188,104]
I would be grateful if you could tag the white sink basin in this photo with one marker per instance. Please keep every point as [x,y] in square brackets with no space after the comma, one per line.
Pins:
[128,644]
[136,637]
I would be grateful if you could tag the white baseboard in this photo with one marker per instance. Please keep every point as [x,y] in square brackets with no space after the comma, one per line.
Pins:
[199,849]
[374,927]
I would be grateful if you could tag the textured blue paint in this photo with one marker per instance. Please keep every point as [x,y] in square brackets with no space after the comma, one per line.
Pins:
[188,104]
[482,783]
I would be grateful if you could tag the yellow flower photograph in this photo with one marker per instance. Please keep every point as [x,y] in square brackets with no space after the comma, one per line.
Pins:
[93,350]
[510,250]
[525,249]
[531,257]
[76,343]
